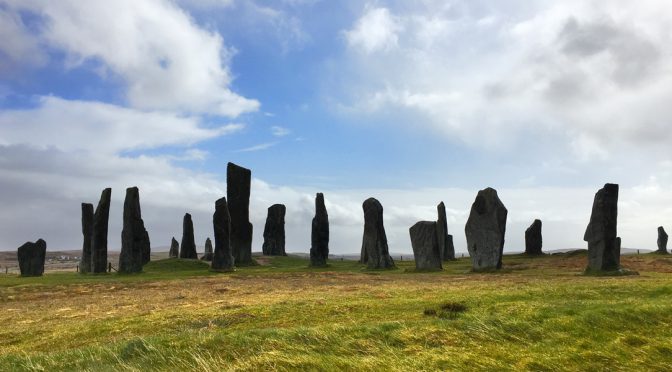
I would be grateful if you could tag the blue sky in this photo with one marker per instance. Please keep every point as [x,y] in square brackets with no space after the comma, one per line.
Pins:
[412,103]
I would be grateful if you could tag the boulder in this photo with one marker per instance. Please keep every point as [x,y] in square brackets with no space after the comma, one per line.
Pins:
[319,249]
[604,246]
[174,249]
[533,241]
[222,259]
[485,231]
[238,194]
[188,245]
[31,258]
[207,256]
[274,231]
[99,237]
[425,243]
[662,240]
[374,242]
[87,232]
[445,240]
[135,245]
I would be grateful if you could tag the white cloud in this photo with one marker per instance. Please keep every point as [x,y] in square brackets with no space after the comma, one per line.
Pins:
[259,147]
[280,131]
[17,48]
[100,128]
[376,30]
[166,60]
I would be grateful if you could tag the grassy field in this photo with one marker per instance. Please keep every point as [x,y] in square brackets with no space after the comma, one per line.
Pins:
[536,314]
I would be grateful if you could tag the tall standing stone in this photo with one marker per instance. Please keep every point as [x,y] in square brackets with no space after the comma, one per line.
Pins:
[207,256]
[222,259]
[99,237]
[319,237]
[374,242]
[662,240]
[238,181]
[135,245]
[604,246]
[274,231]
[445,240]
[485,231]
[533,241]
[174,249]
[188,246]
[31,258]
[87,232]
[425,243]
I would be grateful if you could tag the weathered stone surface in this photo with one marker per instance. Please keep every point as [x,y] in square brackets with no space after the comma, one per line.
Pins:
[87,232]
[533,241]
[274,231]
[222,259]
[207,255]
[445,241]
[485,231]
[238,194]
[135,245]
[374,242]
[604,246]
[99,237]
[425,243]
[174,249]
[319,249]
[188,245]
[31,258]
[662,240]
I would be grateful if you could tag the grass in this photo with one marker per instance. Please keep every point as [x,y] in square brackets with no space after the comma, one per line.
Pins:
[538,313]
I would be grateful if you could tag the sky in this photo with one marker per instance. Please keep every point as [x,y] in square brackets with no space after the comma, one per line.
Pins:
[412,103]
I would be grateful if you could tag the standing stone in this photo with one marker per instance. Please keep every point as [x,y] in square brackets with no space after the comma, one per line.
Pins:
[222,259]
[485,231]
[99,237]
[604,247]
[274,231]
[135,245]
[662,240]
[31,258]
[425,243]
[374,242]
[207,256]
[533,241]
[87,232]
[319,237]
[174,249]
[238,194]
[445,240]
[188,246]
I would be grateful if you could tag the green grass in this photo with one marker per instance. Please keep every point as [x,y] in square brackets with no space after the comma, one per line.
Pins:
[537,314]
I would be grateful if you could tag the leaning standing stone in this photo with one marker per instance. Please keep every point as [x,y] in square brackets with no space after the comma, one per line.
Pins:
[533,241]
[31,258]
[99,238]
[319,250]
[604,246]
[135,245]
[374,241]
[425,243]
[238,181]
[662,240]
[485,231]
[87,232]
[207,256]
[174,249]
[222,259]
[274,231]
[188,246]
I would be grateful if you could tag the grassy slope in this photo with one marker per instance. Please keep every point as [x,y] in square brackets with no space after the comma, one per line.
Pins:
[537,314]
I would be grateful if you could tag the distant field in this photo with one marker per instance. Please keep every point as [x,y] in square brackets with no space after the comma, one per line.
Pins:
[536,314]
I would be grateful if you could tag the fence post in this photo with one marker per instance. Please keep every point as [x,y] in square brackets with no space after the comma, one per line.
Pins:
[109,267]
